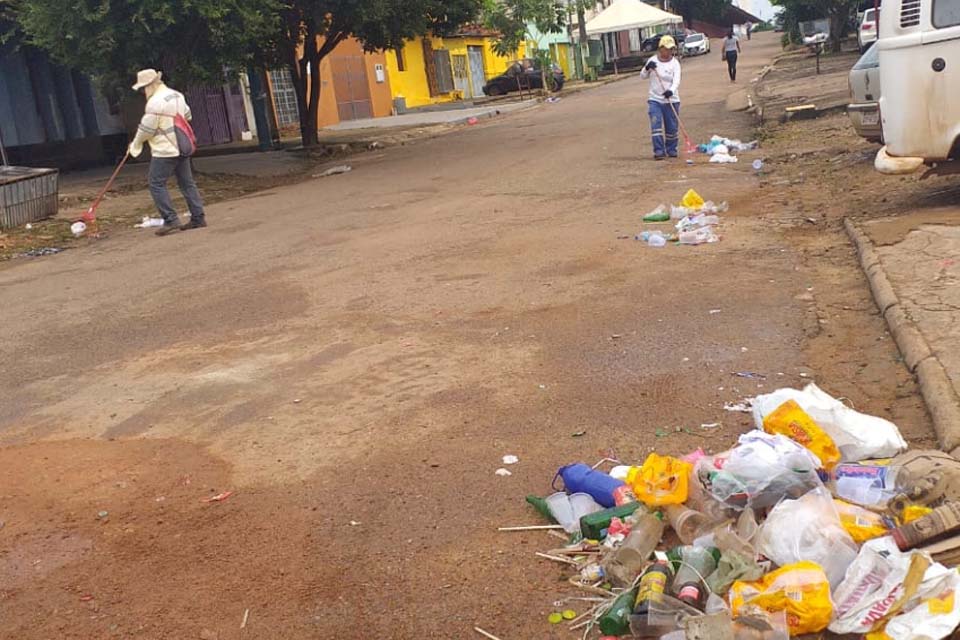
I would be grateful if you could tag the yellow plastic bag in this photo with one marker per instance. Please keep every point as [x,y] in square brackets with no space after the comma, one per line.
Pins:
[790,420]
[661,480]
[913,512]
[860,523]
[800,589]
[692,200]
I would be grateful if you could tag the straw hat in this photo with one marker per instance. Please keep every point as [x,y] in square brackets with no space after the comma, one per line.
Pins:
[147,77]
[667,42]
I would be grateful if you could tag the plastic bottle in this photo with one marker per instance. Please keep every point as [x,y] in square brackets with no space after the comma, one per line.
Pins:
[700,235]
[867,483]
[693,565]
[627,561]
[657,240]
[688,524]
[592,526]
[580,478]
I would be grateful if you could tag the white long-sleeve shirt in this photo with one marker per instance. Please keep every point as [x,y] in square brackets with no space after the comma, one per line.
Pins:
[669,73]
[156,127]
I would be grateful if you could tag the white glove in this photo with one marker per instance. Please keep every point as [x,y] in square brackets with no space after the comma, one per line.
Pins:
[135,149]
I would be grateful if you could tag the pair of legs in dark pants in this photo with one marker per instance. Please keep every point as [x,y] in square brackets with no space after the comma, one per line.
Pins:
[732,65]
[663,128]
[160,171]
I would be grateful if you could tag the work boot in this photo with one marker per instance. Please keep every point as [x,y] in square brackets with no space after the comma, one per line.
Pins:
[193,224]
[167,229]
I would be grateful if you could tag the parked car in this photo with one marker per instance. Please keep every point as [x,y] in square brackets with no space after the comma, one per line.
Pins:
[919,45]
[523,74]
[864,108]
[867,32]
[653,42]
[696,44]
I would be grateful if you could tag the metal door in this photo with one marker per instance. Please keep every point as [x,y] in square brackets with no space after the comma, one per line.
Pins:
[352,87]
[478,74]
[217,117]
[461,77]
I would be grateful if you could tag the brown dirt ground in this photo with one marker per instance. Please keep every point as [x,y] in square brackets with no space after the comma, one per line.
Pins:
[353,357]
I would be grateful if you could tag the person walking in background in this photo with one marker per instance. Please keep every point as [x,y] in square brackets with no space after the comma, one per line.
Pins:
[749,29]
[663,103]
[731,51]
[162,124]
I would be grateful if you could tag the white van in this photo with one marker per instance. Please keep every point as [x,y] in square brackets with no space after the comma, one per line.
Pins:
[919,49]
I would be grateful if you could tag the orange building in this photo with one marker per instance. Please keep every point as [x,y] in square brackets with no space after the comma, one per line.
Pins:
[354,85]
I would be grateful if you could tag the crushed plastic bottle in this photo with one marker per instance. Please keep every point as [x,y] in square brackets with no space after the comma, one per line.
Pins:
[625,564]
[701,235]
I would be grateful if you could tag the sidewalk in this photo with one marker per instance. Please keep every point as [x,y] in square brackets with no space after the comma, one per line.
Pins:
[906,232]
[428,118]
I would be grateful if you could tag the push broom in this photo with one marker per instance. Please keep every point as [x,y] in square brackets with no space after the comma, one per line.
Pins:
[90,215]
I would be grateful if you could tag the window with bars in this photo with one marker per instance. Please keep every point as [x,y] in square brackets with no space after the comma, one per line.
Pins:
[284,98]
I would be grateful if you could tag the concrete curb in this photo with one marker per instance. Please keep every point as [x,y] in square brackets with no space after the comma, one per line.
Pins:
[938,393]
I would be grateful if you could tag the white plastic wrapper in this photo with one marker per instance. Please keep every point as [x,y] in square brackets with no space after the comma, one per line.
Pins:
[874,584]
[808,528]
[857,435]
[937,613]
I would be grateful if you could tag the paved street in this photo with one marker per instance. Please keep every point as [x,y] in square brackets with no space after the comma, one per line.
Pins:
[353,356]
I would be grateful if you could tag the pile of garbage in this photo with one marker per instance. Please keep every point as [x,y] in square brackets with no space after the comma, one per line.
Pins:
[695,224]
[819,519]
[721,150]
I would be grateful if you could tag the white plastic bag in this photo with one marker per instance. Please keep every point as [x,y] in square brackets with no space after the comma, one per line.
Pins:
[873,584]
[857,435]
[808,528]
[760,471]
[937,612]
[722,158]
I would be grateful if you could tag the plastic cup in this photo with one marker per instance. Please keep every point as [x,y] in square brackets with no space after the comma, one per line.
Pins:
[562,511]
[583,504]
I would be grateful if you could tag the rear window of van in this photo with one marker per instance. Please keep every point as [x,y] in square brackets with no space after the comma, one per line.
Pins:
[946,13]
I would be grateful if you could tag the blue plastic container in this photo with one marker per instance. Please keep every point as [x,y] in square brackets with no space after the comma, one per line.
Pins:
[579,478]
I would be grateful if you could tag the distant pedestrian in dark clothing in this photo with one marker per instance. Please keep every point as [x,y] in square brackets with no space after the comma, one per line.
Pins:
[731,50]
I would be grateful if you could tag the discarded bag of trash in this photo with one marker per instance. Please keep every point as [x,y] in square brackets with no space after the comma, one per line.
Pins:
[920,595]
[661,480]
[858,436]
[760,471]
[790,420]
[700,235]
[808,528]
[692,200]
[723,158]
[800,589]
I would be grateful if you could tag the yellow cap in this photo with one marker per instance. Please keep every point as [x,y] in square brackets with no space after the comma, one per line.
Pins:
[668,42]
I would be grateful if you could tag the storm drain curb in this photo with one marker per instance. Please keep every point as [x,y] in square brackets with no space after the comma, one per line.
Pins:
[935,386]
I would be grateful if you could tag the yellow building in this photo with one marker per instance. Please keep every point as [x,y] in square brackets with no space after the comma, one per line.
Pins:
[433,70]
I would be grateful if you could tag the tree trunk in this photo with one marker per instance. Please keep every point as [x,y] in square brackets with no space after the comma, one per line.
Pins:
[582,40]
[837,19]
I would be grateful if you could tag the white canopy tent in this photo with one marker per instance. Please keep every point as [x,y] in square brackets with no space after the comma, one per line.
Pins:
[624,15]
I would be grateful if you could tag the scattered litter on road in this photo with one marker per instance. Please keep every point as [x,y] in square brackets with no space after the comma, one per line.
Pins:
[503,472]
[220,497]
[750,374]
[552,100]
[86,598]
[28,227]
[102,514]
[40,252]
[723,158]
[472,121]
[578,434]
[486,634]
[334,171]
[510,459]
[696,219]
[246,615]
[148,222]
[714,311]
[78,229]
[751,542]
[354,523]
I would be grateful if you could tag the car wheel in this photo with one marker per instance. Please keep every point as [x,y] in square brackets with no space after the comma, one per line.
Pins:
[493,91]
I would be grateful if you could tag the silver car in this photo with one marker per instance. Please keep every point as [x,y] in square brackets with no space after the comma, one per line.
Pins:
[864,109]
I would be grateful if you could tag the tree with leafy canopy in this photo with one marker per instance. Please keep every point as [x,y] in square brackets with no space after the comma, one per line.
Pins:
[838,11]
[703,10]
[191,41]
[512,19]
[312,29]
